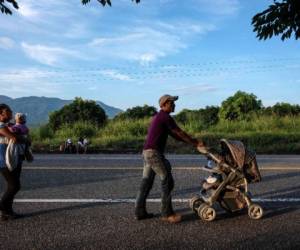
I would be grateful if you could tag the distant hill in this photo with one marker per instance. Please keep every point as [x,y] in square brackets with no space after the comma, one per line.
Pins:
[38,108]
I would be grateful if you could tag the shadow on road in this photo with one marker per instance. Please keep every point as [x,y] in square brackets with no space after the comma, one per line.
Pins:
[290,192]
[273,212]
[65,208]
[274,177]
[56,179]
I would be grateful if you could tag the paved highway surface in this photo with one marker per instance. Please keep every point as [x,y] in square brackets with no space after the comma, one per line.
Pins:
[86,202]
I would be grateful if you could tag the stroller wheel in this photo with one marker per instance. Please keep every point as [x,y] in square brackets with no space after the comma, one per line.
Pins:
[206,212]
[195,202]
[255,211]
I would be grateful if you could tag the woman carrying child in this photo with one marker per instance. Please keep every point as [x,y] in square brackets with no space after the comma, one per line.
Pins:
[12,177]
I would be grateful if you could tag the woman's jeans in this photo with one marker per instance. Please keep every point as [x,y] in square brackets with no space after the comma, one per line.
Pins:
[12,187]
[155,163]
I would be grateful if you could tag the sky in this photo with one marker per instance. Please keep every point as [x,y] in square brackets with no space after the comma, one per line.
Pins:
[130,54]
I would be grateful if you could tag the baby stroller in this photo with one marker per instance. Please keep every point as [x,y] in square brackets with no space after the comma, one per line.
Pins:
[235,167]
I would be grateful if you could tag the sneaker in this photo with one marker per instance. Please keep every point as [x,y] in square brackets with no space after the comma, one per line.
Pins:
[144,216]
[174,218]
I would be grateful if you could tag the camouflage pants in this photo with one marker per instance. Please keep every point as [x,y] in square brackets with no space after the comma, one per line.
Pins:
[156,164]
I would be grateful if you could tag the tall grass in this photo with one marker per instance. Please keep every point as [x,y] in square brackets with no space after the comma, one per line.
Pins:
[270,124]
[76,130]
[123,134]
[41,133]
[265,134]
[125,128]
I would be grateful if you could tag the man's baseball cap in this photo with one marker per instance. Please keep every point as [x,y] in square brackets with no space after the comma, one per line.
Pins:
[166,98]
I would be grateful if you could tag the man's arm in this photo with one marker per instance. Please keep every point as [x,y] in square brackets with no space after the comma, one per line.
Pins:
[180,135]
[175,136]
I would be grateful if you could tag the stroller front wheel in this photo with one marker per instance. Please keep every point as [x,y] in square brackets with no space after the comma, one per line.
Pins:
[195,202]
[206,212]
[255,211]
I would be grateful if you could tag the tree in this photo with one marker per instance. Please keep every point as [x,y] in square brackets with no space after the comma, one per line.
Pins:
[206,117]
[78,110]
[210,115]
[3,6]
[186,115]
[137,112]
[285,109]
[280,18]
[104,2]
[239,106]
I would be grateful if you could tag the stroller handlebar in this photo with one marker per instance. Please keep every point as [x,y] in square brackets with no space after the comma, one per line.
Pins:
[212,170]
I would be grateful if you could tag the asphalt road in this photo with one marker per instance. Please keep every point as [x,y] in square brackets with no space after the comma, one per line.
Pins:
[86,202]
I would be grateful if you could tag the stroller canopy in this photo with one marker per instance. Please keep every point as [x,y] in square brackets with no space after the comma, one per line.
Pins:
[243,158]
[237,150]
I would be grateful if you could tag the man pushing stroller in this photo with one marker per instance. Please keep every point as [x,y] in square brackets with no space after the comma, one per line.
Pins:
[161,126]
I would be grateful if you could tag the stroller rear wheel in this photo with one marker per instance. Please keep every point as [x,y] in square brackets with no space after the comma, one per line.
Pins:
[195,202]
[255,211]
[206,212]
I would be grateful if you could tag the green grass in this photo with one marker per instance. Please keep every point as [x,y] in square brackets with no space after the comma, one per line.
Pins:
[270,124]
[265,134]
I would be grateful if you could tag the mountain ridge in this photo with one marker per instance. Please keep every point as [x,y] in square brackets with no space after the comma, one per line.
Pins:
[38,108]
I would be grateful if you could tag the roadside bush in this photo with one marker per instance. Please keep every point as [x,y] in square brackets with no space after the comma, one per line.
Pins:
[286,109]
[45,132]
[78,110]
[41,133]
[196,120]
[137,112]
[239,106]
[76,130]
[272,124]
[127,127]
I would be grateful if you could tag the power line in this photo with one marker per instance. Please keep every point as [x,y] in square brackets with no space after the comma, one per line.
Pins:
[162,67]
[28,74]
[163,72]
[159,76]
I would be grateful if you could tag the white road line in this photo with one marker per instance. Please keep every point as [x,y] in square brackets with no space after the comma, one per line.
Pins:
[82,168]
[139,157]
[279,168]
[139,168]
[183,200]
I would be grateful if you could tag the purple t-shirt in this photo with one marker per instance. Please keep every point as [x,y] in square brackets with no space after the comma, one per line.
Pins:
[161,125]
[20,129]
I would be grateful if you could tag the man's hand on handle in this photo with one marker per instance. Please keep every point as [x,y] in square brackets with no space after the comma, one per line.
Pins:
[201,147]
